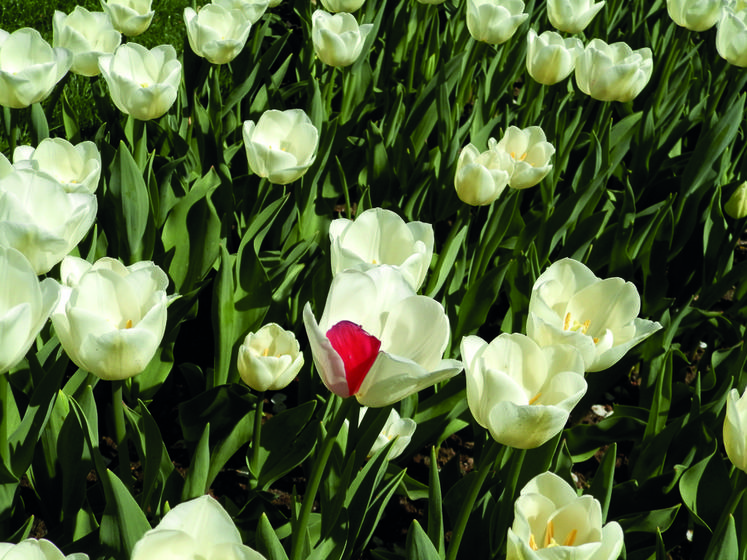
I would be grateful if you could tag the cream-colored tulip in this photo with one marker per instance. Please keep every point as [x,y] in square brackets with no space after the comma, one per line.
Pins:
[87,35]
[695,15]
[530,154]
[570,305]
[572,16]
[216,33]
[551,521]
[270,358]
[379,236]
[342,5]
[550,58]
[338,39]
[395,428]
[73,166]
[736,206]
[481,177]
[253,10]
[735,429]
[36,549]
[613,72]
[731,34]
[494,21]
[131,17]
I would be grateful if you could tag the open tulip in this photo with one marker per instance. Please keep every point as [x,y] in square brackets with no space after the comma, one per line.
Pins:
[252,9]
[131,17]
[735,429]
[613,72]
[29,67]
[379,236]
[198,528]
[530,155]
[338,39]
[570,305]
[731,34]
[695,15]
[143,83]
[521,393]
[110,318]
[550,58]
[281,146]
[216,33]
[551,521]
[270,358]
[73,166]
[25,305]
[395,427]
[572,16]
[342,5]
[87,35]
[377,339]
[33,549]
[494,21]
[481,177]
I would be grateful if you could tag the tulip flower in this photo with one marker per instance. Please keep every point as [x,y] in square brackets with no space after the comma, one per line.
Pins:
[731,35]
[198,528]
[29,67]
[377,340]
[131,17]
[25,305]
[736,206]
[695,15]
[40,217]
[530,155]
[552,521]
[613,72]
[572,16]
[87,35]
[494,21]
[216,33]
[143,83]
[338,40]
[270,358]
[482,177]
[274,3]
[252,9]
[521,393]
[550,58]
[379,236]
[395,427]
[342,5]
[281,146]
[74,167]
[33,549]
[735,429]
[110,318]
[570,305]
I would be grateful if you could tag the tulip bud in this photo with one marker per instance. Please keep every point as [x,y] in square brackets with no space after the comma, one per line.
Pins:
[131,17]
[481,177]
[613,72]
[572,16]
[338,40]
[395,427]
[736,206]
[731,35]
[735,429]
[270,358]
[216,33]
[494,21]
[87,35]
[550,58]
[695,15]
[342,5]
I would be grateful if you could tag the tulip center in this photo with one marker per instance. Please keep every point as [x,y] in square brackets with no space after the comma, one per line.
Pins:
[549,540]
[358,351]
[522,157]
[570,324]
[128,324]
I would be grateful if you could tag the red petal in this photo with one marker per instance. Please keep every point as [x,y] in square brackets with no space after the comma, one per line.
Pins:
[358,351]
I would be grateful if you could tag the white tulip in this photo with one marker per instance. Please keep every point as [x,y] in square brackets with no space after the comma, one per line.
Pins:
[25,305]
[377,339]
[281,146]
[736,206]
[198,528]
[551,521]
[270,358]
[521,393]
[338,39]
[87,35]
[695,15]
[29,67]
[731,34]
[481,177]
[142,83]
[253,10]
[379,236]
[735,429]
[342,5]
[395,428]
[530,154]
[550,58]
[131,17]
[613,72]
[216,33]
[110,318]
[74,167]
[570,305]
[572,16]
[33,549]
[494,21]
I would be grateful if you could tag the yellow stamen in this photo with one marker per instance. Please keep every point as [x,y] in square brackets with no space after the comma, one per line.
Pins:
[534,398]
[128,324]
[595,339]
[549,531]
[266,352]
[570,539]
[532,542]
[567,321]
[523,156]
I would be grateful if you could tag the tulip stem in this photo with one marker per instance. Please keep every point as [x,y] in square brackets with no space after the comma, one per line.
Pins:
[120,433]
[11,129]
[299,531]
[487,461]
[257,438]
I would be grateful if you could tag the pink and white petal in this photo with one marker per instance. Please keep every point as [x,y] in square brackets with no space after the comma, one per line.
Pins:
[328,362]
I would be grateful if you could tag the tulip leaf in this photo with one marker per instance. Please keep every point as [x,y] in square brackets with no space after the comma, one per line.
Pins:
[197,480]
[39,126]
[477,301]
[724,544]
[267,542]
[649,521]
[123,522]
[435,508]
[601,485]
[419,546]
[703,487]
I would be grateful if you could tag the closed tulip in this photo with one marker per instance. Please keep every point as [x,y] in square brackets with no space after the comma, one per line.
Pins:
[550,58]
[481,177]
[29,67]
[131,17]
[87,35]
[25,305]
[521,393]
[73,166]
[111,318]
[36,549]
[216,33]
[695,15]
[338,39]
[736,206]
[530,154]
[395,428]
[599,317]
[572,16]
[613,72]
[198,528]
[270,358]
[143,83]
[379,236]
[342,5]
[281,146]
[494,21]
[377,340]
[735,429]
[731,35]
[551,521]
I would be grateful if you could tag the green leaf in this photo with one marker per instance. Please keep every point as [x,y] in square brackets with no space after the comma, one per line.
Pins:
[419,546]
[267,542]
[601,485]
[724,544]
[435,510]
[196,482]
[123,523]
[649,521]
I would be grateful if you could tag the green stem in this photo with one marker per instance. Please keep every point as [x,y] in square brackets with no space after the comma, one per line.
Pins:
[120,433]
[487,462]
[299,531]
[256,440]
[11,129]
